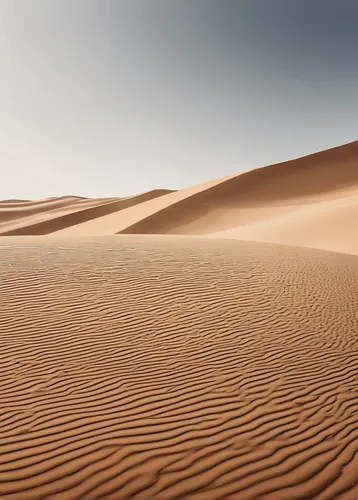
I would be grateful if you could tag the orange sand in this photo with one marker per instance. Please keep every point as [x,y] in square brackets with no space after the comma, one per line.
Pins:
[193,366]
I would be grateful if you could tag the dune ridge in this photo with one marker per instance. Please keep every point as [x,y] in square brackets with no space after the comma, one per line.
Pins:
[169,367]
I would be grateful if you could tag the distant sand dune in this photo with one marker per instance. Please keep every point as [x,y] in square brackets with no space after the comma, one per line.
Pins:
[14,210]
[50,217]
[14,201]
[168,367]
[120,222]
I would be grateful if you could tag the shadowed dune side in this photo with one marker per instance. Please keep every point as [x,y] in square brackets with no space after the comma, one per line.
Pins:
[83,210]
[163,367]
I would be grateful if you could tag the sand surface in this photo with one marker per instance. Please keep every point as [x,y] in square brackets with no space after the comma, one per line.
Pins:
[184,361]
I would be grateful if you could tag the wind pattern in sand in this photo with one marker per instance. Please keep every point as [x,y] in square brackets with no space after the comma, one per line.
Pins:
[162,368]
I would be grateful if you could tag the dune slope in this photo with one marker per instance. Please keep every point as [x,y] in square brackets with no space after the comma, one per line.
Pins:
[310,201]
[126,219]
[327,224]
[166,367]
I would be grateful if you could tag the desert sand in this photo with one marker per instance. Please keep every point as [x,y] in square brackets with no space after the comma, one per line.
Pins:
[197,344]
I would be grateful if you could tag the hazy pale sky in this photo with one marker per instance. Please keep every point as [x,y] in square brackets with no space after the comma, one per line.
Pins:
[114,97]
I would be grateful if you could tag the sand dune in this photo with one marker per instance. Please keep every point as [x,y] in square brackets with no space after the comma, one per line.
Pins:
[11,210]
[127,219]
[10,201]
[165,367]
[53,215]
[310,201]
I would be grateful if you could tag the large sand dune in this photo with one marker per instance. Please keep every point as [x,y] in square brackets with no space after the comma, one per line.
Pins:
[171,367]
[145,353]
[311,201]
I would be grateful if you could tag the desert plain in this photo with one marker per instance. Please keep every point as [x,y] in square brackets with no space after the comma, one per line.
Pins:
[191,344]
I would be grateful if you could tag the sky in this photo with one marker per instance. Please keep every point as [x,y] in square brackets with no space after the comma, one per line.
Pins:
[116,97]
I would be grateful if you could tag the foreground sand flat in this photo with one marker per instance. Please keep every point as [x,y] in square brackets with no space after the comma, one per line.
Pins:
[170,367]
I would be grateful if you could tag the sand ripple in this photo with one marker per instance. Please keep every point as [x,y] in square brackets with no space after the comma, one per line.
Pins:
[167,367]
